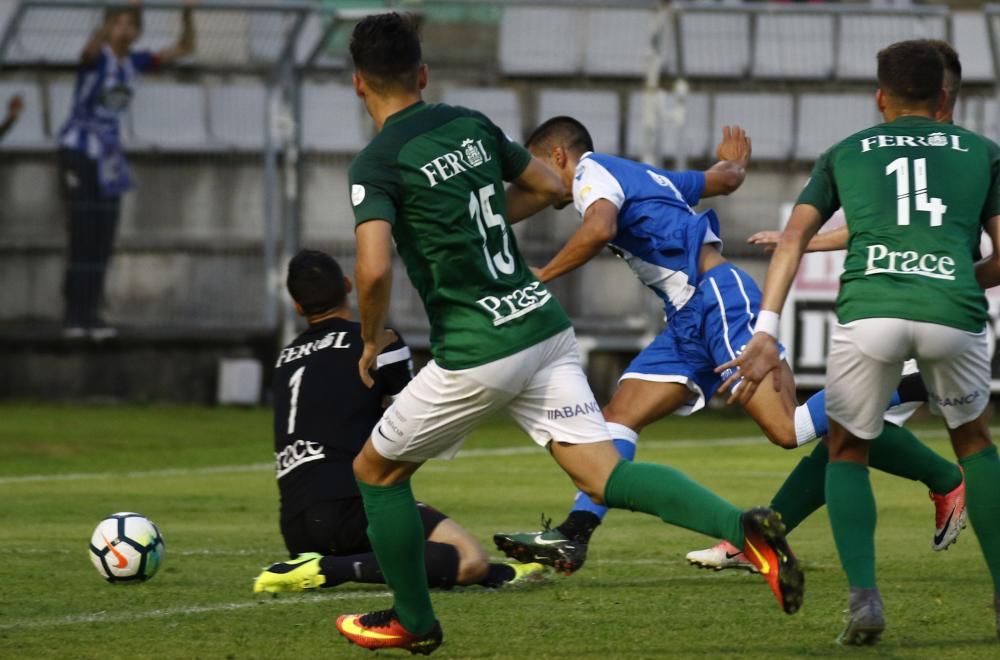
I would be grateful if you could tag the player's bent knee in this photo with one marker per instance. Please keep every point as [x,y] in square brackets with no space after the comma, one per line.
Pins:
[472,566]
[780,433]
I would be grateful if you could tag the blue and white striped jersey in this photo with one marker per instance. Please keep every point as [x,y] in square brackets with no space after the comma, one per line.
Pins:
[101,96]
[659,233]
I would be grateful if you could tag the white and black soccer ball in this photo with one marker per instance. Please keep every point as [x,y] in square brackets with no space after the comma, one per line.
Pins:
[126,547]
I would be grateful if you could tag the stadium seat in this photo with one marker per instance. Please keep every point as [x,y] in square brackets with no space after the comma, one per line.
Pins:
[29,131]
[266,36]
[500,105]
[228,43]
[236,115]
[617,42]
[60,102]
[970,33]
[7,10]
[169,116]
[990,126]
[969,113]
[768,119]
[825,119]
[597,110]
[332,119]
[267,32]
[537,41]
[715,44]
[52,36]
[798,46]
[681,125]
[862,36]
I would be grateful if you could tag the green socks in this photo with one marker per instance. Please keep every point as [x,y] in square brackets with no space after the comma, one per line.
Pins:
[397,537]
[851,505]
[803,490]
[673,497]
[982,501]
[899,452]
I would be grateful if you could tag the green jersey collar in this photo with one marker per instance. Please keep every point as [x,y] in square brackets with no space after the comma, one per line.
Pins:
[405,112]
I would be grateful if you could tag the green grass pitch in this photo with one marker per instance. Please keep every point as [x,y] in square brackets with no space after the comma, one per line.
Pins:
[204,476]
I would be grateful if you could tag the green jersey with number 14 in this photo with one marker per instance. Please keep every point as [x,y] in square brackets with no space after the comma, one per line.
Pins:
[915,193]
[436,173]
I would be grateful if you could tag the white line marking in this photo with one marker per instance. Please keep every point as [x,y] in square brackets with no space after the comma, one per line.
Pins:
[109,617]
[684,443]
[126,617]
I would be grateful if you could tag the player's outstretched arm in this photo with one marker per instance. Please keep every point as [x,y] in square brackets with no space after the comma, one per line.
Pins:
[92,49]
[373,277]
[760,356]
[537,188]
[186,42]
[600,224]
[727,175]
[828,241]
[988,270]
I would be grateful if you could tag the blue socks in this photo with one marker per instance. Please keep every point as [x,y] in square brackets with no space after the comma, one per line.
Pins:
[810,417]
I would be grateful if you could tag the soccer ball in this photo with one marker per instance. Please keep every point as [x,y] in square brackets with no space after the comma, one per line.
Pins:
[126,547]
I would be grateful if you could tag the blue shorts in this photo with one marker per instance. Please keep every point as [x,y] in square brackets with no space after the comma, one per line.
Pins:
[711,329]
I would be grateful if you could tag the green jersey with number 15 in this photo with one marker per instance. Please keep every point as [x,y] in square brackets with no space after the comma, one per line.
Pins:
[915,193]
[436,173]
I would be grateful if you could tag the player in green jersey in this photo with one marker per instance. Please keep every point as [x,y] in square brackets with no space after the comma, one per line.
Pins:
[916,195]
[432,180]
[802,492]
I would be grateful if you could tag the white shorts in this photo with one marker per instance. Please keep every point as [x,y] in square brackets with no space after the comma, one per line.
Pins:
[866,359]
[543,388]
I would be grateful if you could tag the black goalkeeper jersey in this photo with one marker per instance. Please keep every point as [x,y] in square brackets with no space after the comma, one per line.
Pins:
[323,413]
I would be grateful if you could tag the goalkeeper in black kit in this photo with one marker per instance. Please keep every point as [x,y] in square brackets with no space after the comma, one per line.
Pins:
[323,413]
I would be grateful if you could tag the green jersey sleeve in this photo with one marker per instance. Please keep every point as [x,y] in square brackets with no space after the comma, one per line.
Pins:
[821,189]
[992,206]
[375,191]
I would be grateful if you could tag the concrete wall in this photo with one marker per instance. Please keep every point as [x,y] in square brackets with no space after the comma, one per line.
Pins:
[189,245]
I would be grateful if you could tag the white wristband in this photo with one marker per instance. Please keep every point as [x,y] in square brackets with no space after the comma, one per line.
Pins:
[768,322]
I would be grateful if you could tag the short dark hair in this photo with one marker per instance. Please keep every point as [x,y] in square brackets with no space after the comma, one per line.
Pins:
[111,13]
[386,50]
[911,71]
[952,69]
[564,131]
[316,281]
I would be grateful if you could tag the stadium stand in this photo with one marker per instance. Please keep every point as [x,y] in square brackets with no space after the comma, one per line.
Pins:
[214,194]
[236,115]
[51,36]
[527,46]
[826,118]
[862,36]
[971,33]
[332,119]
[793,46]
[703,33]
[597,110]
[169,116]
[28,133]
[768,118]
[617,42]
[500,105]
[683,127]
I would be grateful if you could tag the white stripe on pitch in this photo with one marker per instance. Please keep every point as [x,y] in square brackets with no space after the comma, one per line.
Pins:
[684,443]
[126,617]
